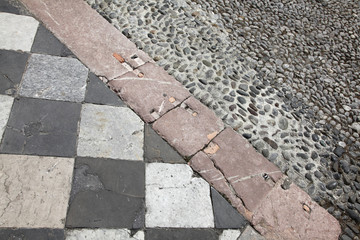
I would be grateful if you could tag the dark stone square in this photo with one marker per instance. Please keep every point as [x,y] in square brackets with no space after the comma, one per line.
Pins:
[225,215]
[46,43]
[29,234]
[157,149]
[11,6]
[107,193]
[97,92]
[42,127]
[181,234]
[12,66]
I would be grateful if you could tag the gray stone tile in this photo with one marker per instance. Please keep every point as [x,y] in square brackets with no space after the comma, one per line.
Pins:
[12,66]
[174,198]
[110,132]
[42,127]
[250,234]
[97,92]
[181,234]
[35,191]
[38,234]
[6,103]
[46,43]
[107,234]
[157,149]
[230,234]
[55,78]
[107,194]
[17,32]
[225,215]
[12,6]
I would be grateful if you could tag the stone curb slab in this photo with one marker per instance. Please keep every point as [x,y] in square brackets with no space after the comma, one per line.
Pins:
[88,35]
[189,127]
[151,95]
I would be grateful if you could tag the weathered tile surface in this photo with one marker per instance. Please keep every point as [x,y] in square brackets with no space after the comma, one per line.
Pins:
[17,32]
[189,128]
[12,66]
[6,6]
[107,193]
[243,167]
[225,215]
[151,95]
[180,234]
[42,127]
[157,150]
[35,191]
[6,103]
[88,35]
[25,234]
[291,214]
[110,132]
[55,78]
[97,92]
[46,43]
[176,199]
[250,234]
[108,234]
[230,234]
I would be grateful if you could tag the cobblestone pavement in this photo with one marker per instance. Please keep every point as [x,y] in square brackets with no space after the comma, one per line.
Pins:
[76,163]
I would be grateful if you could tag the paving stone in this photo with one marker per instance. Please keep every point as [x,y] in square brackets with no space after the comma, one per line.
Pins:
[42,127]
[157,150]
[12,66]
[202,164]
[6,6]
[107,193]
[6,103]
[35,191]
[225,215]
[174,198]
[230,234]
[17,32]
[188,128]
[55,78]
[291,214]
[38,234]
[108,234]
[46,43]
[97,92]
[75,28]
[244,168]
[180,234]
[110,132]
[250,234]
[151,95]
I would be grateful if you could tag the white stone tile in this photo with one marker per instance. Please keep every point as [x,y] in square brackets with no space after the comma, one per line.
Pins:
[176,199]
[110,132]
[230,234]
[6,103]
[17,32]
[54,78]
[107,234]
[34,191]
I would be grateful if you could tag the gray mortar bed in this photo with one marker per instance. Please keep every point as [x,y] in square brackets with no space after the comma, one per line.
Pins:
[284,74]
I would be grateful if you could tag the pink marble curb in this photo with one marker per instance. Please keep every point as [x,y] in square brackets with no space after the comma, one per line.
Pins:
[252,184]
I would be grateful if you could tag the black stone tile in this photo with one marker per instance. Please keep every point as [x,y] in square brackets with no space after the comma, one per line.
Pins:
[11,6]
[225,215]
[12,66]
[46,43]
[30,234]
[157,149]
[181,234]
[42,127]
[107,193]
[97,92]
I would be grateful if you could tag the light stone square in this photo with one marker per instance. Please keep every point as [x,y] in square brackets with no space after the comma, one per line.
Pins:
[54,78]
[6,103]
[108,234]
[34,191]
[110,132]
[174,198]
[17,32]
